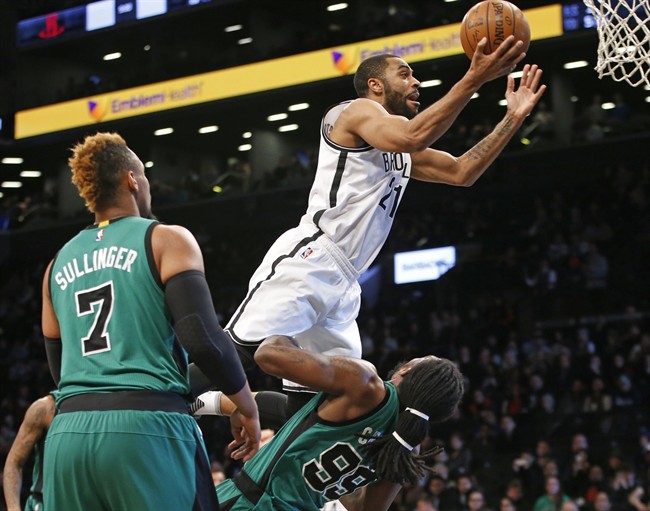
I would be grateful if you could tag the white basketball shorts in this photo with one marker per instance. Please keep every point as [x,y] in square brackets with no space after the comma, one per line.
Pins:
[304,288]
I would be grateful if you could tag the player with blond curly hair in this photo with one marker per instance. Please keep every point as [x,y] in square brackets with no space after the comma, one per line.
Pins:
[124,303]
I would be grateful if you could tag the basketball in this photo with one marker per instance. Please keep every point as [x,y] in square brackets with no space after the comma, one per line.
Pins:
[496,20]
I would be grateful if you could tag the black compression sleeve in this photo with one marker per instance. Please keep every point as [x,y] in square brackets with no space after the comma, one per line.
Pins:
[199,382]
[53,351]
[188,298]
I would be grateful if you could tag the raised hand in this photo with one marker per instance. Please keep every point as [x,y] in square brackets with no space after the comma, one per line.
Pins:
[522,100]
[500,62]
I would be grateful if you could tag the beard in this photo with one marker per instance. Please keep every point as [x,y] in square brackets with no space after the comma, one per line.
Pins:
[397,105]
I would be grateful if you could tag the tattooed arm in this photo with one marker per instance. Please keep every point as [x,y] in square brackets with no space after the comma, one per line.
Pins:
[440,167]
[34,427]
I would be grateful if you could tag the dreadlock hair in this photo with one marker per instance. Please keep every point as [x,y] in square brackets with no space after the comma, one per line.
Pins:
[97,164]
[433,387]
[372,67]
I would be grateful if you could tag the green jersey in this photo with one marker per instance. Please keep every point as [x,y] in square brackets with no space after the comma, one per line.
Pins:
[115,329]
[310,461]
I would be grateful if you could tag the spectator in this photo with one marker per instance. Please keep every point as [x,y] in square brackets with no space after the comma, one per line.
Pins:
[476,501]
[602,502]
[553,497]
[460,456]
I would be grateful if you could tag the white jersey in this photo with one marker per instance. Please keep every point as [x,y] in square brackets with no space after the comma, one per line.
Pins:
[355,194]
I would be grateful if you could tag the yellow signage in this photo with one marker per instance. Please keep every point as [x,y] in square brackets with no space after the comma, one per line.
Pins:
[309,67]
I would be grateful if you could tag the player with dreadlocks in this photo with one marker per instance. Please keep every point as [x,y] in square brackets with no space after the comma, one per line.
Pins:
[358,432]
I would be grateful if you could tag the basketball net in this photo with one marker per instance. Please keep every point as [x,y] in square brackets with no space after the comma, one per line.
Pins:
[624,39]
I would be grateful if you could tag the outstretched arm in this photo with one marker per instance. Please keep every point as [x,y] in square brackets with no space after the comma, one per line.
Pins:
[366,120]
[35,424]
[441,167]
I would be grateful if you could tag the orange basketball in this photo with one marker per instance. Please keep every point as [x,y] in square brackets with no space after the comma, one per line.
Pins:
[496,20]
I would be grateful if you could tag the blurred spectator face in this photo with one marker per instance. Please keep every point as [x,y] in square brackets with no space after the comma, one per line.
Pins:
[597,385]
[514,491]
[624,383]
[543,449]
[456,442]
[579,442]
[476,501]
[548,403]
[550,469]
[436,486]
[442,470]
[602,502]
[424,504]
[595,473]
[505,504]
[507,424]
[536,383]
[464,484]
[552,486]
[569,505]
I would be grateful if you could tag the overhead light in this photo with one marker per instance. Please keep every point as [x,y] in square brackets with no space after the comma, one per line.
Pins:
[450,1]
[163,131]
[148,164]
[337,7]
[576,64]
[245,40]
[646,87]
[298,106]
[9,160]
[277,117]
[503,102]
[233,28]
[217,189]
[147,47]
[517,74]
[475,95]
[647,99]
[525,141]
[288,127]
[246,134]
[245,147]
[30,173]
[574,99]
[430,83]
[11,184]
[1,195]
[607,106]
[112,56]
[208,129]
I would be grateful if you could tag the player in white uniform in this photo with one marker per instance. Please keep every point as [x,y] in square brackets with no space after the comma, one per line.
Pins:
[306,285]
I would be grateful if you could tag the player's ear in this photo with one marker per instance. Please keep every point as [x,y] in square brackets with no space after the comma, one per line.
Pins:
[376,86]
[132,181]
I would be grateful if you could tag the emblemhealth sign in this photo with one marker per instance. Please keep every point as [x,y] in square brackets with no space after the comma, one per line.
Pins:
[309,67]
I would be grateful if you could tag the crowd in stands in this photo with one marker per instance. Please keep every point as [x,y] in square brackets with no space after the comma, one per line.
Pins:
[548,317]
